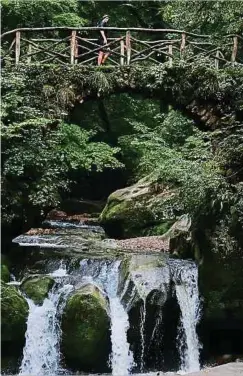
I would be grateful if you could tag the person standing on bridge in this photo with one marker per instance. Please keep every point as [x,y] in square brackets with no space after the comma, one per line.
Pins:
[102,41]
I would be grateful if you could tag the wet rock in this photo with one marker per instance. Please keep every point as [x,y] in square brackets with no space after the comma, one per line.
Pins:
[141,275]
[56,214]
[14,316]
[37,288]
[230,369]
[86,330]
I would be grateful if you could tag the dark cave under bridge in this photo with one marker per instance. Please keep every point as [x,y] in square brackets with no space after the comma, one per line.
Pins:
[127,46]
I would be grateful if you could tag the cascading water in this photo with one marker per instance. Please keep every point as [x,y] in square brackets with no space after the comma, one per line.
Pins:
[142,330]
[185,275]
[149,276]
[105,275]
[41,352]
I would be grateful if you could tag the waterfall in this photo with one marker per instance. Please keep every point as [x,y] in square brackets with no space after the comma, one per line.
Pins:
[106,274]
[42,350]
[41,353]
[142,331]
[186,286]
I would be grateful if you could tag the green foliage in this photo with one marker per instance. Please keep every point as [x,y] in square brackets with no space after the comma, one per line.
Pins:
[79,152]
[41,13]
[36,163]
[205,17]
[178,156]
[39,153]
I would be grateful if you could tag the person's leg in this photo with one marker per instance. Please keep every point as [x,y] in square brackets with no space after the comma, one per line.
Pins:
[100,57]
[105,57]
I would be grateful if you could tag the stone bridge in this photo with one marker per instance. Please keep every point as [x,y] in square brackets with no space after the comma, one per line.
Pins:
[199,75]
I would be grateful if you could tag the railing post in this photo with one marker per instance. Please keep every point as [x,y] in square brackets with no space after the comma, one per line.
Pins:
[122,52]
[73,47]
[183,44]
[128,46]
[17,47]
[216,61]
[234,51]
[171,53]
[29,52]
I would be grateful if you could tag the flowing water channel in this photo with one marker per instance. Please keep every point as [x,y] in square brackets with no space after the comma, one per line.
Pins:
[176,278]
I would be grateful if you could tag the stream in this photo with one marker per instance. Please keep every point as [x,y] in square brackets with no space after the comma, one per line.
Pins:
[147,287]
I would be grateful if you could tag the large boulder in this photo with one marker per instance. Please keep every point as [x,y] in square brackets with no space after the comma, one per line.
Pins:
[37,288]
[14,317]
[141,209]
[86,330]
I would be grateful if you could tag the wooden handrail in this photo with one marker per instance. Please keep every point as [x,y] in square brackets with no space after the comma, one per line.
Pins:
[124,49]
[137,29]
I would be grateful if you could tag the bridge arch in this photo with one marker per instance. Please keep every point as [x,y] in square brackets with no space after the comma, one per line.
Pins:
[206,95]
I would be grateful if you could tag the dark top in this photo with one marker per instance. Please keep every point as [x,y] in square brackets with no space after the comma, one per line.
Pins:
[102,23]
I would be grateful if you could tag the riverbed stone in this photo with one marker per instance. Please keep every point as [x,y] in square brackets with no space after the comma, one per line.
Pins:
[86,330]
[56,214]
[14,316]
[37,288]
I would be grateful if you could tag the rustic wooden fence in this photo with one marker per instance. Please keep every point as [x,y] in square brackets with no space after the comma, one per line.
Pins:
[64,45]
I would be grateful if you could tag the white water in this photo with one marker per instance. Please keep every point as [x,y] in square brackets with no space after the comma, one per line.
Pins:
[188,299]
[122,359]
[106,277]
[71,225]
[41,352]
[61,272]
[142,332]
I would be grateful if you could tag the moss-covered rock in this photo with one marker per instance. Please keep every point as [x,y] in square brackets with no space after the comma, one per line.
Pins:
[141,209]
[14,316]
[5,274]
[86,330]
[37,288]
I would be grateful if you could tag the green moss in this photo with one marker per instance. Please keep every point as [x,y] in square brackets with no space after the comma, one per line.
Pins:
[5,274]
[128,217]
[37,288]
[14,316]
[86,325]
[159,229]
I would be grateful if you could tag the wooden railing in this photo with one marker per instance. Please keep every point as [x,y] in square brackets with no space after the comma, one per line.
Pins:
[65,45]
